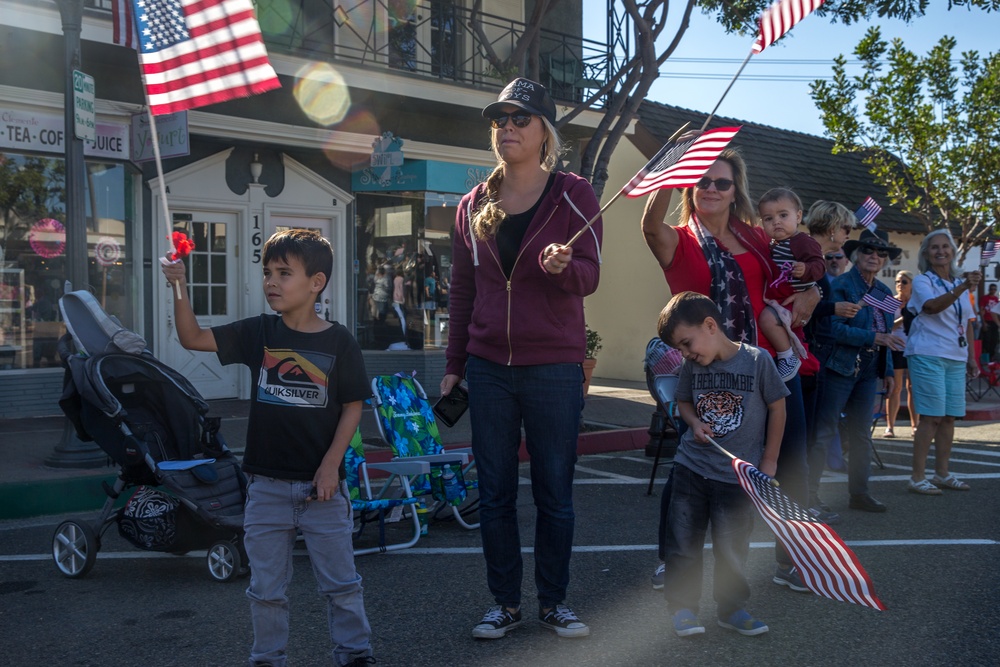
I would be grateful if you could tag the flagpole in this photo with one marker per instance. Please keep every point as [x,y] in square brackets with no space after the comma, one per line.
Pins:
[725,451]
[604,208]
[726,91]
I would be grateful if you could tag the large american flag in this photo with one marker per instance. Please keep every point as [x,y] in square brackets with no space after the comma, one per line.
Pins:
[828,566]
[779,19]
[866,213]
[887,302]
[198,52]
[680,165]
[123,25]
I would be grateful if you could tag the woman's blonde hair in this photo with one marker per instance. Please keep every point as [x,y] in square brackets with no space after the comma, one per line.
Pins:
[741,207]
[488,216]
[826,217]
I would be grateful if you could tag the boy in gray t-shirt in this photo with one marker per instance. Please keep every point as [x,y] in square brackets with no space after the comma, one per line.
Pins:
[731,393]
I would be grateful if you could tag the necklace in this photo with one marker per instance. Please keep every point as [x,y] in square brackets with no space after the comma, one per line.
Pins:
[956,305]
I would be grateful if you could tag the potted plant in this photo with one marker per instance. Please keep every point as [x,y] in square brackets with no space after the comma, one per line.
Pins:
[593,347]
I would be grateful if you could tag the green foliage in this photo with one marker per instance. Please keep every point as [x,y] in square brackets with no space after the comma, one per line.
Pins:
[926,128]
[594,344]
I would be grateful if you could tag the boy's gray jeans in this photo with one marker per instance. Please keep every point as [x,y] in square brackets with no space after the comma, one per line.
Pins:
[274,509]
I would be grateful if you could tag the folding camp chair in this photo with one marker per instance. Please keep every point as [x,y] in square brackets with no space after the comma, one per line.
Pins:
[989,376]
[661,365]
[880,411]
[407,425]
[369,505]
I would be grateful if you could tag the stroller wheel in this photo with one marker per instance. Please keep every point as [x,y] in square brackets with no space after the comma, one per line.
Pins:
[74,548]
[224,561]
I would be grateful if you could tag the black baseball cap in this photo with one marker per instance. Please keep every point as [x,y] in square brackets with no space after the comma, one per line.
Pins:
[525,94]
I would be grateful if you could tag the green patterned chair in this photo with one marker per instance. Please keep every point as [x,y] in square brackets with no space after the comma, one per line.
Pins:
[369,506]
[407,425]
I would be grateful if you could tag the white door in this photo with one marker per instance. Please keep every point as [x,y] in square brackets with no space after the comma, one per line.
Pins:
[329,302]
[212,278]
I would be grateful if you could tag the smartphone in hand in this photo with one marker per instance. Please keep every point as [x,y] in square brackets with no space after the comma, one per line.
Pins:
[449,409]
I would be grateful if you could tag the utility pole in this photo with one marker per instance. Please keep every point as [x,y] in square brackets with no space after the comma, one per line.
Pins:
[71,452]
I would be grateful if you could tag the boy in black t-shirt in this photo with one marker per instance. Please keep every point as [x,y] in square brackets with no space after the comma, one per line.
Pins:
[309,383]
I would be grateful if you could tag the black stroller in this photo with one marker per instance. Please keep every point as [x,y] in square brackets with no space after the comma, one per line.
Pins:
[152,423]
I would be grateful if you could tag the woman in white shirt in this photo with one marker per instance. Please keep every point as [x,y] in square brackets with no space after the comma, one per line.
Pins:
[939,354]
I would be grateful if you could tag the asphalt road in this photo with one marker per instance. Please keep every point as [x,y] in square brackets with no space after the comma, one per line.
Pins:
[933,561]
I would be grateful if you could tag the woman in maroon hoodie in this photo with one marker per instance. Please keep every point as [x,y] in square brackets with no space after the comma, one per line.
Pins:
[518,337]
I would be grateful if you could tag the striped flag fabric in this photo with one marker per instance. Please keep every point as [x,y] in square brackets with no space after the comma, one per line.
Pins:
[887,303]
[680,165]
[198,52]
[779,19]
[989,252]
[122,24]
[866,213]
[828,566]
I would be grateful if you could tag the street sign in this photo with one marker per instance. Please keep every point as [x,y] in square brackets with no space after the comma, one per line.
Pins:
[84,118]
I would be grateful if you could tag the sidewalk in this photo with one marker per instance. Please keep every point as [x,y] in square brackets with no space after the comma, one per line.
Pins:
[617,414]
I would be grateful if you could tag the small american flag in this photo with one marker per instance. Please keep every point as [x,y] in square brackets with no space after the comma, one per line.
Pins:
[828,566]
[198,52]
[887,303]
[866,213]
[779,19]
[989,251]
[122,24]
[680,165]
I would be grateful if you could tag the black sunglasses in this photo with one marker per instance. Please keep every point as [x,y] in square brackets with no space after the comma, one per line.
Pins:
[832,257]
[867,250]
[721,184]
[903,282]
[520,118]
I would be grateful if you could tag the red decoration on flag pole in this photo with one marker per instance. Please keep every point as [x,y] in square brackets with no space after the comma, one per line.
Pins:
[182,246]
[779,19]
[828,566]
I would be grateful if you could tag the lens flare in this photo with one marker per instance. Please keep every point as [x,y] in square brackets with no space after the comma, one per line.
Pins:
[276,18]
[322,94]
[359,121]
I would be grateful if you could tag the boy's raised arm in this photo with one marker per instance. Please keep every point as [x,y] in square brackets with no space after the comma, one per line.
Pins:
[189,332]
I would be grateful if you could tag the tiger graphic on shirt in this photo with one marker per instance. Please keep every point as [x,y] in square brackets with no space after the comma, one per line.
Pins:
[722,410]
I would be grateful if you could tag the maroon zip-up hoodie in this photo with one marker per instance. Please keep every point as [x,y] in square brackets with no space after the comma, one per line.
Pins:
[536,317]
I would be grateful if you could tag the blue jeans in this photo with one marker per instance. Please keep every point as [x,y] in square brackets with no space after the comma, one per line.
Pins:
[274,509]
[696,501]
[548,400]
[853,395]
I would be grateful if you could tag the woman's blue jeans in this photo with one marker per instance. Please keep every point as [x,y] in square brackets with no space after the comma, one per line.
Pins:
[548,400]
[854,395]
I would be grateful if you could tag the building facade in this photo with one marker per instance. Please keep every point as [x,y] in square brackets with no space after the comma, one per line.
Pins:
[372,139]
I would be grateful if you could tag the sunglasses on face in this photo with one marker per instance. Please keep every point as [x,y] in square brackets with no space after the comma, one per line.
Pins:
[867,250]
[902,282]
[721,184]
[520,118]
[832,257]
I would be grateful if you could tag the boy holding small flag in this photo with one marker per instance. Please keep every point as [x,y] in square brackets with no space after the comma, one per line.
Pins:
[730,392]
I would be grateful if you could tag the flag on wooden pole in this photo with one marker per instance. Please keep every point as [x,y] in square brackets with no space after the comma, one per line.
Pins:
[198,52]
[680,165]
[828,566]
[866,213]
[779,19]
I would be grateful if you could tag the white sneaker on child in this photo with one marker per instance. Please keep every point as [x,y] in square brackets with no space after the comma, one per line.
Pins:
[787,368]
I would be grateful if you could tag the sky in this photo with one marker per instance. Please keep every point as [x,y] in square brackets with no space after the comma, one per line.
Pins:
[773,89]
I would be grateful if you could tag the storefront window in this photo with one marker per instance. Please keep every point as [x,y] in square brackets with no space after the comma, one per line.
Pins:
[404,249]
[33,266]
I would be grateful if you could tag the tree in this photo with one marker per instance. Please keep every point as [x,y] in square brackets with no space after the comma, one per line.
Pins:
[627,87]
[927,131]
